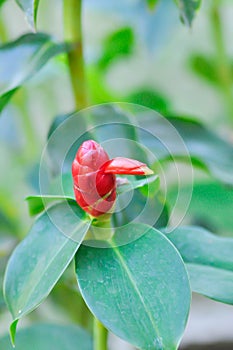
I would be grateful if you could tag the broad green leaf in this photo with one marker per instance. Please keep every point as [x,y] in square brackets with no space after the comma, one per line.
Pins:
[49,337]
[188,9]
[141,208]
[30,8]
[208,148]
[140,291]
[58,120]
[211,206]
[40,259]
[23,58]
[215,283]
[209,260]
[185,139]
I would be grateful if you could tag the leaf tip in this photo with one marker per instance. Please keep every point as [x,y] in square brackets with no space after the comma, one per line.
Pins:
[147,171]
[13,327]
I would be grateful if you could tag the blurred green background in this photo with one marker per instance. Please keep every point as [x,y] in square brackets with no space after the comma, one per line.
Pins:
[132,54]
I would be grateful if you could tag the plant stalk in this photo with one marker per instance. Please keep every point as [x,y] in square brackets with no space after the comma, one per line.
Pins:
[223,65]
[100,336]
[73,35]
[3,31]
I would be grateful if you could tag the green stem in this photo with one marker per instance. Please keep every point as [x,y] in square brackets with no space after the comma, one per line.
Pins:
[72,10]
[100,336]
[223,65]
[73,35]
[3,31]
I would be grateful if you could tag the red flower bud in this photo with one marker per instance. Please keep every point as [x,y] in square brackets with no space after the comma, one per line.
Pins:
[94,177]
[126,166]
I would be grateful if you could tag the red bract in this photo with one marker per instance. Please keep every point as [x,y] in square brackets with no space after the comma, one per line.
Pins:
[94,177]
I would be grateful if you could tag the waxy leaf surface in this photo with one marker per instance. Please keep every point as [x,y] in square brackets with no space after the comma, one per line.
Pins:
[140,291]
[209,261]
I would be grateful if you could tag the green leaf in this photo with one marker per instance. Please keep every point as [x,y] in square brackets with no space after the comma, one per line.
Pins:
[215,283]
[132,184]
[209,260]
[40,259]
[187,10]
[186,139]
[60,189]
[12,332]
[2,2]
[38,203]
[140,291]
[205,67]
[62,185]
[23,58]
[141,208]
[208,148]
[211,206]
[117,45]
[151,4]
[30,8]
[49,337]
[3,262]
[5,98]
[151,99]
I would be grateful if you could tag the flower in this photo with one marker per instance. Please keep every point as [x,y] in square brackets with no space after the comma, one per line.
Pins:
[94,177]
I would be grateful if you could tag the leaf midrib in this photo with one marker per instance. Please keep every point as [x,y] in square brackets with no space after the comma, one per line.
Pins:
[134,284]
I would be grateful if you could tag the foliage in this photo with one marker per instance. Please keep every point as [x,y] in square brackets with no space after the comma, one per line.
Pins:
[30,8]
[134,268]
[31,52]
[141,269]
[187,10]
[210,271]
[46,335]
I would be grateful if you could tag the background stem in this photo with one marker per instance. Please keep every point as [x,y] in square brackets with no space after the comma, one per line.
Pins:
[223,64]
[100,336]
[73,35]
[3,31]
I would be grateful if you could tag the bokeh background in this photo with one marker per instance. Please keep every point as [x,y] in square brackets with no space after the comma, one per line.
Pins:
[137,55]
